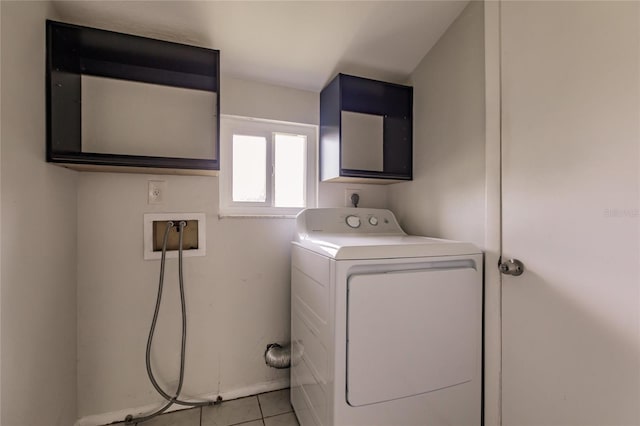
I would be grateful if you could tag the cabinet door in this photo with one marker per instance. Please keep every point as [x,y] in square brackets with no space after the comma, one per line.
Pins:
[570,114]
[412,332]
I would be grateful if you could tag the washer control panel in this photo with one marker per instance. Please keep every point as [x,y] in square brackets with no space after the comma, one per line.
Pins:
[348,221]
[376,221]
[369,221]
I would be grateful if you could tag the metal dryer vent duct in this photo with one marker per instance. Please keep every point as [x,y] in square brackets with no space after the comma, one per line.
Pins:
[277,356]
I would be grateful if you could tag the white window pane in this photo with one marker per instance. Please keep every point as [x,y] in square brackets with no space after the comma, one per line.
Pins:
[290,170]
[249,169]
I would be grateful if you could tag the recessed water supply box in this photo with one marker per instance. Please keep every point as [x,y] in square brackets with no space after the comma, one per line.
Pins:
[193,240]
[189,235]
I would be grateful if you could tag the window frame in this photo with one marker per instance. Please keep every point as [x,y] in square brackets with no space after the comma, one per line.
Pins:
[233,124]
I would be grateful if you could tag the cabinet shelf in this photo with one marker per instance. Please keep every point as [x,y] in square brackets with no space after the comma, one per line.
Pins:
[365,131]
[77,56]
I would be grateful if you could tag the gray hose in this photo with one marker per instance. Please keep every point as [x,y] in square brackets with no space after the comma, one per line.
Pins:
[171,399]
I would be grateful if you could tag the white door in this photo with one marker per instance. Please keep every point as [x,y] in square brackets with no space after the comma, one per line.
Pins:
[571,137]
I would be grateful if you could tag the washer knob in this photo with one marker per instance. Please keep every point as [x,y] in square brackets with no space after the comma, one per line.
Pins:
[353,221]
[373,221]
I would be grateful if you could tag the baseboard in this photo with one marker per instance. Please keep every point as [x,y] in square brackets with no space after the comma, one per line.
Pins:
[118,416]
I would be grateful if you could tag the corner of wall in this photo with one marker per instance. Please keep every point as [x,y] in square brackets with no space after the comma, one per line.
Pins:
[446,198]
[38,245]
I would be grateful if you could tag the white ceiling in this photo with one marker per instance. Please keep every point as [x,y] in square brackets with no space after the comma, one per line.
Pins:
[300,44]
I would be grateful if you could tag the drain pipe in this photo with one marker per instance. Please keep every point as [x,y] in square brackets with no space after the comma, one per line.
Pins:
[277,356]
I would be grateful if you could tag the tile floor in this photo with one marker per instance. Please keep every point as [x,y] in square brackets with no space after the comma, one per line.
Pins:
[266,409]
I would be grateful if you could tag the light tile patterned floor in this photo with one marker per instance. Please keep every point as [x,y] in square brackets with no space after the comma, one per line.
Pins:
[266,409]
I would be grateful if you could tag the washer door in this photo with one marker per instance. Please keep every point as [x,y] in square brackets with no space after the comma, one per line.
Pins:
[411,332]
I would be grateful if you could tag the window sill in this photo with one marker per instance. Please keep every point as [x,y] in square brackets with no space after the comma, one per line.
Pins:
[255,216]
[246,212]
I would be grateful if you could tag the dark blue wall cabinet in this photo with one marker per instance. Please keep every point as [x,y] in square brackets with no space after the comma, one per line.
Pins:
[365,131]
[75,52]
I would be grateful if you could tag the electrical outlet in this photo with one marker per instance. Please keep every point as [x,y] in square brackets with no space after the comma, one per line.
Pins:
[157,189]
[347,196]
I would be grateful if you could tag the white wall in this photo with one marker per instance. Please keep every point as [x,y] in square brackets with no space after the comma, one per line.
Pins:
[38,240]
[237,295]
[446,197]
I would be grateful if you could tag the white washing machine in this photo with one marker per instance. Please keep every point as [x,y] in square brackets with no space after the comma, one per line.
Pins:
[386,328]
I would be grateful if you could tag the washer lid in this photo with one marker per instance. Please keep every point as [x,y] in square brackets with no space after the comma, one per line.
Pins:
[344,247]
[350,233]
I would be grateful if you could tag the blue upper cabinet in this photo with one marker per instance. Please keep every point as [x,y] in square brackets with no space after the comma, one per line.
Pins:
[365,131]
[119,102]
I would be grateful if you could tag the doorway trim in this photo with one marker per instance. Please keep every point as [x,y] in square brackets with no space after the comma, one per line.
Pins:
[493,217]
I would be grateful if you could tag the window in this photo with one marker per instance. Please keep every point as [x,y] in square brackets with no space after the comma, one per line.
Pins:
[268,168]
